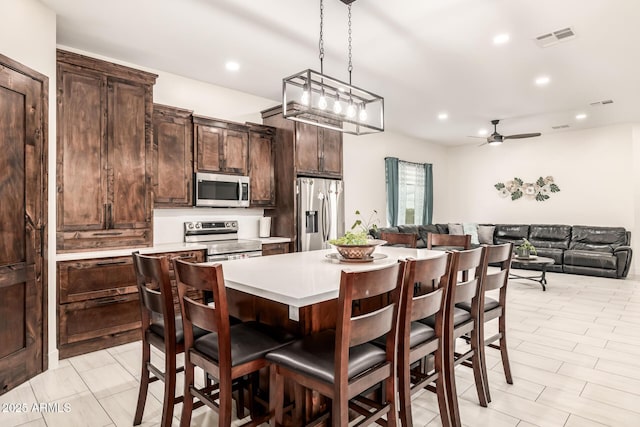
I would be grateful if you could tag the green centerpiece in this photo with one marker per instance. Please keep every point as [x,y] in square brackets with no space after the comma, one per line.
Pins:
[526,249]
[357,244]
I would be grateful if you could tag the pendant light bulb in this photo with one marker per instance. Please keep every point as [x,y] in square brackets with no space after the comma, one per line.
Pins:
[351,111]
[322,102]
[363,114]
[337,107]
[304,99]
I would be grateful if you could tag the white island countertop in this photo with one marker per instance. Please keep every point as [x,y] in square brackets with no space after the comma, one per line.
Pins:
[304,278]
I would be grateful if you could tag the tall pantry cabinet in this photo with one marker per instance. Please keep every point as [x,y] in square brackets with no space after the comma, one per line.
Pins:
[104,197]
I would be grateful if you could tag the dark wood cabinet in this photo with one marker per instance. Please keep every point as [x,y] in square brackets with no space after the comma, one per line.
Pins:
[103,171]
[262,166]
[172,156]
[275,248]
[98,303]
[220,146]
[318,151]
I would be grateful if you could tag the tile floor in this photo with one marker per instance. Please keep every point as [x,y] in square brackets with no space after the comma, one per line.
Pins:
[575,352]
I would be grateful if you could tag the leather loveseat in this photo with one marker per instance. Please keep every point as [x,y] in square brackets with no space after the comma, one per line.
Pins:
[578,249]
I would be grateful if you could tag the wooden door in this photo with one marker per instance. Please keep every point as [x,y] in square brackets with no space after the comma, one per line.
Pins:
[81,152]
[23,114]
[236,150]
[128,204]
[261,169]
[307,160]
[331,157]
[208,147]
[172,156]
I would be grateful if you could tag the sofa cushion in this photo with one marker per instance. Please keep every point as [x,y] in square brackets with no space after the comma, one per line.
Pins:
[485,234]
[471,228]
[455,229]
[442,228]
[506,233]
[550,236]
[590,258]
[375,233]
[602,239]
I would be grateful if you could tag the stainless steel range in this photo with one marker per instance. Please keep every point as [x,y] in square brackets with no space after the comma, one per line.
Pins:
[221,238]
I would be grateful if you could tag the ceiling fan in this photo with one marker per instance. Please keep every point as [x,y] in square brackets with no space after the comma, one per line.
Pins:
[496,139]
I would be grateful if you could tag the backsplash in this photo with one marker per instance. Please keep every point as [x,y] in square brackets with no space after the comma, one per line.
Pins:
[168,224]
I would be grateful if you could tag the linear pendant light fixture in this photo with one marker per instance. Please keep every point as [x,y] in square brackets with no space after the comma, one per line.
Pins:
[320,100]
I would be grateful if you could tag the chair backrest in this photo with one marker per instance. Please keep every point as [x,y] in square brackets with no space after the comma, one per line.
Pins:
[452,240]
[353,330]
[213,317]
[410,240]
[154,287]
[463,288]
[500,255]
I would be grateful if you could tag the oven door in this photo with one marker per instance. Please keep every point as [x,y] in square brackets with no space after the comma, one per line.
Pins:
[215,190]
[237,255]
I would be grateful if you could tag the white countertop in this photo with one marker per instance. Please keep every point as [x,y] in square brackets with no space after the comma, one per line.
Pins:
[160,248]
[303,278]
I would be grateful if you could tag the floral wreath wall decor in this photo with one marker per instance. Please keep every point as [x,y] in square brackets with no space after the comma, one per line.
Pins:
[539,190]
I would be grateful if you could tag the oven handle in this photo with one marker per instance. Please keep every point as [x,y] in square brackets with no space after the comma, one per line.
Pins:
[214,258]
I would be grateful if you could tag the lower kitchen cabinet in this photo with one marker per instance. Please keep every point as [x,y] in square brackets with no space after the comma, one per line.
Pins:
[275,248]
[98,303]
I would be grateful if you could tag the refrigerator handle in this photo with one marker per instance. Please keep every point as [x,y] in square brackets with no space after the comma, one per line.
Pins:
[325,218]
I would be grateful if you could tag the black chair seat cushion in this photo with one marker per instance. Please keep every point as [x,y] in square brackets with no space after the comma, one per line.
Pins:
[419,333]
[157,327]
[590,259]
[249,341]
[314,355]
[459,316]
[489,304]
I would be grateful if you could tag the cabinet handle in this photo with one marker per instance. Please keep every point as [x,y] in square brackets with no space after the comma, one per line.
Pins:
[112,263]
[110,300]
[107,233]
[110,210]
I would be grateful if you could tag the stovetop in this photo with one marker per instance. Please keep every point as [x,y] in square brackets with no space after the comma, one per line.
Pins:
[221,237]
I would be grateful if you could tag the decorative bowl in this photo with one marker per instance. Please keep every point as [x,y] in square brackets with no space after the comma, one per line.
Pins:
[359,251]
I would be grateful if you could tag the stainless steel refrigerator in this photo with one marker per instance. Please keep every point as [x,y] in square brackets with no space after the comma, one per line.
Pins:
[320,216]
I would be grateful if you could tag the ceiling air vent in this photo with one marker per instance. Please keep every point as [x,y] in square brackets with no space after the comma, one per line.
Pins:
[549,39]
[603,102]
[560,127]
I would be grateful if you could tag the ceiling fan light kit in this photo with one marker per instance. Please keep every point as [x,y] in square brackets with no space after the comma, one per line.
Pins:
[313,97]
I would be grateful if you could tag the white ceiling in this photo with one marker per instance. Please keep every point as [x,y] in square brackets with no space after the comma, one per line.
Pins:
[423,56]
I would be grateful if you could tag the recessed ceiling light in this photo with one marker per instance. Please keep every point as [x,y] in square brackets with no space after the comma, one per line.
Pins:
[543,80]
[501,39]
[483,132]
[232,66]
[443,116]
[581,116]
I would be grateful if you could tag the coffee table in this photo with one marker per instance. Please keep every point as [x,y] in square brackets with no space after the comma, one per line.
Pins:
[541,261]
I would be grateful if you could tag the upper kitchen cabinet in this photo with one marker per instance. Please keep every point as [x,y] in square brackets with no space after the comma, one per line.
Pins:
[104,122]
[220,146]
[262,165]
[318,150]
[172,156]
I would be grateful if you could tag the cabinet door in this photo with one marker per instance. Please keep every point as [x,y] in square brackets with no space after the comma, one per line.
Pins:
[172,157]
[331,151]
[208,148]
[129,206]
[307,159]
[275,249]
[236,150]
[82,153]
[261,169]
[95,278]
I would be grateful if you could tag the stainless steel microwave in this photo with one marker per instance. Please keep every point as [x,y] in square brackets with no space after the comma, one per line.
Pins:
[216,190]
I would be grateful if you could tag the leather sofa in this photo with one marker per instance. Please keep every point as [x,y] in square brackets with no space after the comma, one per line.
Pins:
[578,249]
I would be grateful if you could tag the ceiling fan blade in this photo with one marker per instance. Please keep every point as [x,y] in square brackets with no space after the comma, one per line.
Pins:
[473,136]
[522,135]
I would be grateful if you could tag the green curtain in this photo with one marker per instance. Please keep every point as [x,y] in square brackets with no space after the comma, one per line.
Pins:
[427,211]
[391,178]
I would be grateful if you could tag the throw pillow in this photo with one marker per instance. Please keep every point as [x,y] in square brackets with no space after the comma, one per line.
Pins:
[485,234]
[472,229]
[456,229]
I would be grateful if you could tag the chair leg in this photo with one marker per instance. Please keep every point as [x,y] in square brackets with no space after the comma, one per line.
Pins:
[449,377]
[144,383]
[340,411]
[477,362]
[169,389]
[187,403]
[404,390]
[390,399]
[225,401]
[276,397]
[503,349]
[240,399]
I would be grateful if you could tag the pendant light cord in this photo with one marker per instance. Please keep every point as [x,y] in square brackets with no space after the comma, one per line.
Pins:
[350,68]
[321,43]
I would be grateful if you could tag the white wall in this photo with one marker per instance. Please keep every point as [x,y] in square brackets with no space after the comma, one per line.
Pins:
[28,35]
[364,172]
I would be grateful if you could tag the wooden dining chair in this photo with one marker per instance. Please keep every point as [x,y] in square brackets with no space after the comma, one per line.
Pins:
[459,323]
[417,340]
[161,329]
[228,352]
[448,241]
[499,256]
[410,240]
[341,364]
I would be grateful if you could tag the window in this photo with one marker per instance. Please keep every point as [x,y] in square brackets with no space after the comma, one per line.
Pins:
[409,192]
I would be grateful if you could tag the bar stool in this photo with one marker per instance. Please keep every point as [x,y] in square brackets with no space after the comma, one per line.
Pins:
[409,240]
[341,364]
[227,353]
